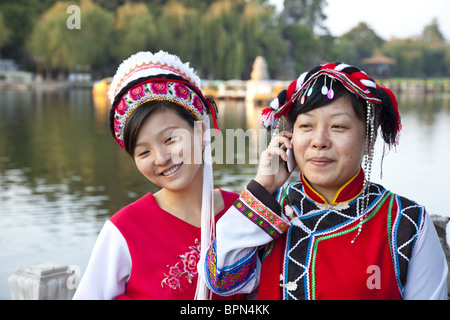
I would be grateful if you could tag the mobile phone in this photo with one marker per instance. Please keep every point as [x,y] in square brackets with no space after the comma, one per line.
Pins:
[290,164]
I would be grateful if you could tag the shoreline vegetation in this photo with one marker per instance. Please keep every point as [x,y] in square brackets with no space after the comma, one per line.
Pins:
[225,88]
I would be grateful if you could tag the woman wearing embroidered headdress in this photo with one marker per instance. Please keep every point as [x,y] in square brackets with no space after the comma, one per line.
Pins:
[150,248]
[332,234]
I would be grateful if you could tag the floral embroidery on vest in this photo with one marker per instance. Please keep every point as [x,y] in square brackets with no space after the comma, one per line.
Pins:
[182,273]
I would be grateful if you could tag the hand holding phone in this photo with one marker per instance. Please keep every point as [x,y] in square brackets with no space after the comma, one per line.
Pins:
[290,164]
[271,174]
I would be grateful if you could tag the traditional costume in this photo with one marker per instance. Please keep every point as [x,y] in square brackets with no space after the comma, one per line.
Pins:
[144,252]
[368,243]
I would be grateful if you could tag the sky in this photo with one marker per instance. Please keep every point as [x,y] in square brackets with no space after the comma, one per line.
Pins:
[388,18]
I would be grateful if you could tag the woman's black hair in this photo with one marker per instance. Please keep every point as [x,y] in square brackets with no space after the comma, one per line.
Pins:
[138,117]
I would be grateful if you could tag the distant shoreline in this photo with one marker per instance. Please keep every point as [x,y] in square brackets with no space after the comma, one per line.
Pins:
[45,85]
[417,85]
[399,85]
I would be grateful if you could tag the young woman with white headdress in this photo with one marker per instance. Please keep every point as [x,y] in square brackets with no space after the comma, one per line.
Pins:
[150,248]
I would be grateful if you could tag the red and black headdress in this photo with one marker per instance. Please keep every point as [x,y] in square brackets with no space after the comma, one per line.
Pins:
[354,80]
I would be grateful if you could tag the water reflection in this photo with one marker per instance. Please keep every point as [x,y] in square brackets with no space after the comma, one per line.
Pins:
[418,168]
[62,175]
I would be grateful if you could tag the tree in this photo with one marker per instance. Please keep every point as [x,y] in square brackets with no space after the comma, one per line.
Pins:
[344,50]
[225,47]
[5,33]
[56,47]
[431,34]
[135,30]
[263,36]
[434,49]
[434,61]
[177,29]
[426,56]
[47,43]
[19,18]
[231,34]
[302,46]
[366,41]
[92,44]
[308,12]
[409,57]
[447,61]
[297,22]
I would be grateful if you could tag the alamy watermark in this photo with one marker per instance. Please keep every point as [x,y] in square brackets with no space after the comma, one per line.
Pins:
[74,20]
[231,146]
[374,280]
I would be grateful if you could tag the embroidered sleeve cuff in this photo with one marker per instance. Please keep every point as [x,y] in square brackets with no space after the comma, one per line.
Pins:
[251,205]
[264,196]
[233,278]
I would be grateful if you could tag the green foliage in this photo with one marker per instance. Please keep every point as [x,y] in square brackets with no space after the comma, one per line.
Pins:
[133,30]
[427,56]
[365,41]
[56,47]
[307,12]
[221,38]
[303,45]
[432,34]
[4,31]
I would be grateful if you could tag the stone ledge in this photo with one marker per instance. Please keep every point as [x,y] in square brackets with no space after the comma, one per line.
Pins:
[441,224]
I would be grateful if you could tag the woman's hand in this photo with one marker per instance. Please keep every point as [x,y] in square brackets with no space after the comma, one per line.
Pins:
[272,173]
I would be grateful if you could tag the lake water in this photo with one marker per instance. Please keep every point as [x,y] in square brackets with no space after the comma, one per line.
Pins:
[62,175]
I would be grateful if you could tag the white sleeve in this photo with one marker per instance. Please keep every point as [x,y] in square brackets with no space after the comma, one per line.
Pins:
[427,271]
[236,247]
[109,267]
[231,264]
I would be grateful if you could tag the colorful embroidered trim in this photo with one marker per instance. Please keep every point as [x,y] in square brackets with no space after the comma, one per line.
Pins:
[156,89]
[259,214]
[227,281]
[145,67]
[391,240]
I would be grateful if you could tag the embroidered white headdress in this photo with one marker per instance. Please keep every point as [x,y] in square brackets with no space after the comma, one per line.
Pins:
[145,77]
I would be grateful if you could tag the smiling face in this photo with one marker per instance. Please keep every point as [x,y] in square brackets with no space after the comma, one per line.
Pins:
[329,145]
[165,150]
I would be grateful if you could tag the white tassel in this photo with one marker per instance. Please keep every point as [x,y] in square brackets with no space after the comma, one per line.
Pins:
[300,81]
[269,121]
[275,104]
[208,217]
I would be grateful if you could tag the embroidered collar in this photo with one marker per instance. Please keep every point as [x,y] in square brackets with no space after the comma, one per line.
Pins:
[348,192]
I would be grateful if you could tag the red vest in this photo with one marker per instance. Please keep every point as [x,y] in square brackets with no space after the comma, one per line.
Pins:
[330,266]
[164,250]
